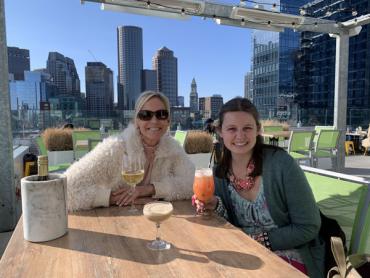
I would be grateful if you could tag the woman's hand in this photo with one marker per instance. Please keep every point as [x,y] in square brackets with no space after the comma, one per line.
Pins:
[201,207]
[125,196]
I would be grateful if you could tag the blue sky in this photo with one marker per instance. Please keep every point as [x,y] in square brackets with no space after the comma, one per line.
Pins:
[217,56]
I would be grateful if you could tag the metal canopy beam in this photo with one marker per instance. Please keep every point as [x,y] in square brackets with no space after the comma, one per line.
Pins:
[240,16]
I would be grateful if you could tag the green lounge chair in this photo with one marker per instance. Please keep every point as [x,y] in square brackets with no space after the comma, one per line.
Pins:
[300,145]
[345,198]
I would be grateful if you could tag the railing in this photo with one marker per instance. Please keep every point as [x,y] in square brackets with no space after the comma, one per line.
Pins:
[26,122]
[317,116]
[31,121]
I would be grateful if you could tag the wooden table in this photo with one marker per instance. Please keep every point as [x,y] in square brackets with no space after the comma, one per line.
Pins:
[356,138]
[112,243]
[273,136]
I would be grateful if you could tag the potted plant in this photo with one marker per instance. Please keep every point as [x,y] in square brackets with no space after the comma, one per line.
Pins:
[199,146]
[59,145]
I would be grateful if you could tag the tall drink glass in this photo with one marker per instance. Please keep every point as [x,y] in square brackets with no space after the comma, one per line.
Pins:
[204,186]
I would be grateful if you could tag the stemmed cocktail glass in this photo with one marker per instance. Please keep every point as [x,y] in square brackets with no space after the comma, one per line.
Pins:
[158,212]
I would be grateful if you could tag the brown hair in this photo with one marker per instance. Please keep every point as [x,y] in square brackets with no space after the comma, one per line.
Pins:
[236,105]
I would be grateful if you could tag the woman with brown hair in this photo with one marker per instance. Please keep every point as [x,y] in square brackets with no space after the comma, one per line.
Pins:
[262,190]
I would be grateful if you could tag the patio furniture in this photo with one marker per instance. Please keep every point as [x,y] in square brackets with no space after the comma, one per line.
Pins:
[274,136]
[300,145]
[326,146]
[81,141]
[273,140]
[366,142]
[345,198]
[43,151]
[356,138]
[180,136]
[106,242]
[349,147]
[318,128]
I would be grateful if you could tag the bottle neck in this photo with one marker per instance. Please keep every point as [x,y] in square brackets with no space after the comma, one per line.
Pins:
[43,170]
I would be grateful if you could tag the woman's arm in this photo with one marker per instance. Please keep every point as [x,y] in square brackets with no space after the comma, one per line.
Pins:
[90,180]
[303,213]
[177,183]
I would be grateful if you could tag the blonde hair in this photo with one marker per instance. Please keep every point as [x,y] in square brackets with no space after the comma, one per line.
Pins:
[146,96]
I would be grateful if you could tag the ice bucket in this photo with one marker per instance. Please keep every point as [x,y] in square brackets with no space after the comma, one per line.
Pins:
[44,207]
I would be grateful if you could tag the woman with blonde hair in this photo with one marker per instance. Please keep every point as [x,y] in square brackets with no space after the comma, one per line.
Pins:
[95,180]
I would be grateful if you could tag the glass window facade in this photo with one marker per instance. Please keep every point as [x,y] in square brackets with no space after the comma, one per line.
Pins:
[274,59]
[315,79]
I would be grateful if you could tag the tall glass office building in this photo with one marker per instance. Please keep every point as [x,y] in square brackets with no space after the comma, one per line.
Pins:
[316,74]
[274,56]
[64,74]
[165,63]
[18,61]
[130,65]
[99,89]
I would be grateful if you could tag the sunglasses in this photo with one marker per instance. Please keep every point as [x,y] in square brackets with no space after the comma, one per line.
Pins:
[147,115]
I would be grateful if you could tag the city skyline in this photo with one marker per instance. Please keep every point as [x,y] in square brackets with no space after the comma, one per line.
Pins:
[217,56]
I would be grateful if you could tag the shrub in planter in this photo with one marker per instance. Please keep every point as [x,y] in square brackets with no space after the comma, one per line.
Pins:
[285,125]
[57,139]
[198,142]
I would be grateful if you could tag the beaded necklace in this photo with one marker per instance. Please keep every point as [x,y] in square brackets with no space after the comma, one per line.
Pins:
[246,183]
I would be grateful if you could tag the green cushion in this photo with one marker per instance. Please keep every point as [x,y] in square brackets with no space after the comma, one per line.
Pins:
[273,128]
[180,137]
[364,246]
[322,153]
[296,155]
[338,199]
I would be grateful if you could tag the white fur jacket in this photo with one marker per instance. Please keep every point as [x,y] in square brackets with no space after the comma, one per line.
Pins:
[91,179]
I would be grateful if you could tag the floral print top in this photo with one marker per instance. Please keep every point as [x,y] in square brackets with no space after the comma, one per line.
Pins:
[254,218]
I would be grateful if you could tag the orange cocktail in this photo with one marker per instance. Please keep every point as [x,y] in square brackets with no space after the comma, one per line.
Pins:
[204,186]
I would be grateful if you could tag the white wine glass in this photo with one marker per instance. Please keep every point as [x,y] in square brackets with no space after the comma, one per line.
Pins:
[132,174]
[158,212]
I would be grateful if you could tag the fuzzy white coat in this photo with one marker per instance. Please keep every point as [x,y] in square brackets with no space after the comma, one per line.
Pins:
[91,179]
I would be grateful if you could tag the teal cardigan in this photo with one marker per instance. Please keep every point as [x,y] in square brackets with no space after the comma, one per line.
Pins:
[292,207]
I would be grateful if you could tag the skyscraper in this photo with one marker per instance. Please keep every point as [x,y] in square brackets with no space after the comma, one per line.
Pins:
[273,66]
[148,80]
[180,101]
[18,61]
[210,107]
[65,78]
[130,65]
[99,89]
[64,74]
[165,63]
[194,107]
[29,92]
[316,76]
[29,99]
